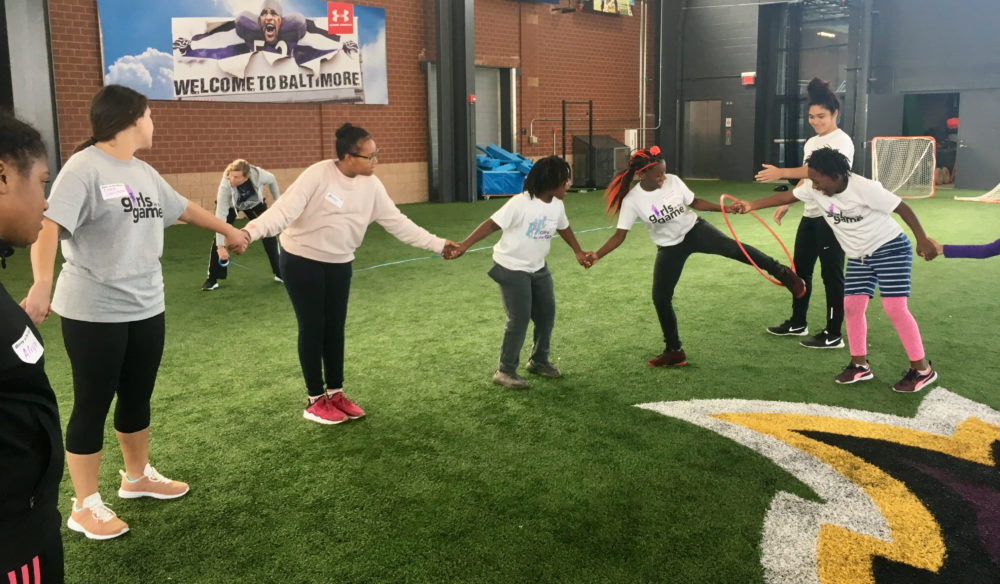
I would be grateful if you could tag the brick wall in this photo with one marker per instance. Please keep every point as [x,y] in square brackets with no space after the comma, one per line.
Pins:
[576,56]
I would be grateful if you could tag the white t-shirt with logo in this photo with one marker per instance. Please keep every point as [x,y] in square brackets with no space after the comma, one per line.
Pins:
[839,141]
[112,213]
[861,216]
[529,225]
[664,211]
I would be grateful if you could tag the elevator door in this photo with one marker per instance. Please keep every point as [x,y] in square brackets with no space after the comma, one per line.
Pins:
[701,146]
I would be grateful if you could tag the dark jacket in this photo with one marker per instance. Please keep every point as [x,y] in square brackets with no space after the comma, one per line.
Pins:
[31,448]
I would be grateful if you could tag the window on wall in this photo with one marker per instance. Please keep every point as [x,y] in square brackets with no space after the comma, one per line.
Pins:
[804,40]
[823,52]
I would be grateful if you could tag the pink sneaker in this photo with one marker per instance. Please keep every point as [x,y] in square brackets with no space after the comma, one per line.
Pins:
[151,484]
[322,411]
[95,520]
[340,401]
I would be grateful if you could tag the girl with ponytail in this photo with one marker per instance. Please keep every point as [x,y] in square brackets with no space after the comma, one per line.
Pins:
[814,238]
[664,204]
[108,211]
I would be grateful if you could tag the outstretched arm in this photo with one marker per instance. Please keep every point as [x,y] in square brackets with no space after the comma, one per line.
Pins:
[485,229]
[236,239]
[613,242]
[925,248]
[987,250]
[784,198]
[771,173]
[703,205]
[570,238]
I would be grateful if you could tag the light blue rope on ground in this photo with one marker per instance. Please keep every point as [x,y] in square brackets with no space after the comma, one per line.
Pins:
[231,262]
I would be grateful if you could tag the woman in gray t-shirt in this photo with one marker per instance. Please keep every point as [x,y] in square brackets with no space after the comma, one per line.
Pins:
[108,210]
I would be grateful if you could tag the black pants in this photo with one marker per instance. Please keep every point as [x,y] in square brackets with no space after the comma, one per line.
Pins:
[815,240]
[45,566]
[31,467]
[110,359]
[217,272]
[319,292]
[703,238]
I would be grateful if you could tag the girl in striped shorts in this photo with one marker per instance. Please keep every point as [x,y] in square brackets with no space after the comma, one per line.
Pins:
[878,254]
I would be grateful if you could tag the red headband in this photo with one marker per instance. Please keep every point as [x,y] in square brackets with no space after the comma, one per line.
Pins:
[652,151]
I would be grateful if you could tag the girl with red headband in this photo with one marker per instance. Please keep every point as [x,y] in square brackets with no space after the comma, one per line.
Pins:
[664,204]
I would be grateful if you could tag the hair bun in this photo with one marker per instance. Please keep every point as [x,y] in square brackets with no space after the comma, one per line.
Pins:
[818,89]
[343,130]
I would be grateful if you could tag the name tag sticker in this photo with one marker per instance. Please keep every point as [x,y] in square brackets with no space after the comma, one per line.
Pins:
[115,191]
[335,200]
[28,348]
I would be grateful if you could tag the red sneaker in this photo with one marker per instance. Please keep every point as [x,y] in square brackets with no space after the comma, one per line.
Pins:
[854,373]
[669,359]
[339,401]
[322,411]
[914,381]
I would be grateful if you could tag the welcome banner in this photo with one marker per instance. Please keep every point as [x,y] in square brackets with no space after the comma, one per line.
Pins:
[246,50]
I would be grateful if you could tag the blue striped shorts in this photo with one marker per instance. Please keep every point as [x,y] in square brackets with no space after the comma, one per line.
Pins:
[889,268]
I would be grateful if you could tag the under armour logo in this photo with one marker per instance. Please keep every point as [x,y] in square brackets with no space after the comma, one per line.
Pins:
[339,18]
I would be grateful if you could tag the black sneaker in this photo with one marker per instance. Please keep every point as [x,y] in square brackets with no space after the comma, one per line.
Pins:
[210,284]
[787,328]
[823,340]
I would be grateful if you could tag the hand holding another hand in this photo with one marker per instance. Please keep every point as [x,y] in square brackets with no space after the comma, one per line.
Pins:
[237,241]
[452,250]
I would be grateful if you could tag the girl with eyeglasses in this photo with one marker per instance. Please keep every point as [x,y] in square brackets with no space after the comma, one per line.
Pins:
[322,219]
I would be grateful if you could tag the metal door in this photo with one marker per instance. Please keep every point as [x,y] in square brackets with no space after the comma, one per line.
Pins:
[978,140]
[701,147]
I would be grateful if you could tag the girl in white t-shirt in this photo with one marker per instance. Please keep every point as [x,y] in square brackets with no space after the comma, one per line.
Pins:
[878,254]
[814,239]
[664,204]
[529,222]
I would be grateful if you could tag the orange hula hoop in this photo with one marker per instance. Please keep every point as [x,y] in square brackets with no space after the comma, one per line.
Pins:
[762,222]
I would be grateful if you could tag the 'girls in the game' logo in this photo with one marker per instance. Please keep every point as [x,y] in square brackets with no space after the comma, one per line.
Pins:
[665,213]
[839,218]
[140,207]
[540,228]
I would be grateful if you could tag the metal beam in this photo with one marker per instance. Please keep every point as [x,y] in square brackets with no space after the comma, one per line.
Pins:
[456,101]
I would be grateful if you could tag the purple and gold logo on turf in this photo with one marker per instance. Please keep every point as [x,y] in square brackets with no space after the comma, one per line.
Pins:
[900,499]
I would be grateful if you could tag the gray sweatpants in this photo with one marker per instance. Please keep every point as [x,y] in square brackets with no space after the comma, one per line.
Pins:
[526,296]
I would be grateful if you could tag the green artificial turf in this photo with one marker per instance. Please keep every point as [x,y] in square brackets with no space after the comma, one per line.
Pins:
[452,479]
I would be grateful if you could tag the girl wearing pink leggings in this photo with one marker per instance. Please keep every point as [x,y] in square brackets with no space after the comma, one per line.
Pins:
[878,254]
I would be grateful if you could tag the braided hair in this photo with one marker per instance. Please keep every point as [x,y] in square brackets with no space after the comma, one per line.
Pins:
[547,174]
[621,184]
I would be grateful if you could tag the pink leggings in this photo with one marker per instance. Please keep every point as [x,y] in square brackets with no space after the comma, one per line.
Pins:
[895,308]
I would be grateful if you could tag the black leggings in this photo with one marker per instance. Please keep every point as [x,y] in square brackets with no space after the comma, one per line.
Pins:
[108,359]
[703,238]
[815,239]
[319,292]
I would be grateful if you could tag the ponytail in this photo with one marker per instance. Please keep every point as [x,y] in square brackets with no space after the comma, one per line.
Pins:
[621,184]
[114,109]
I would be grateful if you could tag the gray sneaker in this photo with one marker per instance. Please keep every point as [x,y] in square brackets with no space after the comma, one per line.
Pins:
[544,369]
[513,380]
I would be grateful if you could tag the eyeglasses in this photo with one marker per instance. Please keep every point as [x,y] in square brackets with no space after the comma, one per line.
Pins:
[369,158]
